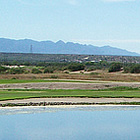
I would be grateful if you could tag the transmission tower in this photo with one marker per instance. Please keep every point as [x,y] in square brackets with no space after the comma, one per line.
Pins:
[31,49]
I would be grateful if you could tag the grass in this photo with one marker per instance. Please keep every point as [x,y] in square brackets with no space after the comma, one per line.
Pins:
[102,76]
[12,81]
[33,93]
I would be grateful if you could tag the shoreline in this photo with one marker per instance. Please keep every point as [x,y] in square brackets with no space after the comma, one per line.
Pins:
[70,102]
[68,106]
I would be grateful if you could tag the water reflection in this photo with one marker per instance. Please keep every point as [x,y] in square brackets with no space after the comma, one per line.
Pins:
[33,110]
[70,123]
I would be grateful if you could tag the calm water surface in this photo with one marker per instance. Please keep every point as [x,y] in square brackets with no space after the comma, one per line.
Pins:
[70,123]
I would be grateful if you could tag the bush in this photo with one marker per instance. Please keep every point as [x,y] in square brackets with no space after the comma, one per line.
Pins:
[54,76]
[135,68]
[16,71]
[91,69]
[126,69]
[115,67]
[48,70]
[36,71]
[76,67]
[3,69]
[66,72]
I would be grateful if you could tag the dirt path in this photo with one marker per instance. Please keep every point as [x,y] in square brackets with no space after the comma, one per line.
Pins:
[68,85]
[73,100]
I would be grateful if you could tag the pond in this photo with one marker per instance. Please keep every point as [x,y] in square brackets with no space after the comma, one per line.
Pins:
[70,123]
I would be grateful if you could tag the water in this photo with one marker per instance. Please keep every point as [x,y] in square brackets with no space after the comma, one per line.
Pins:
[70,123]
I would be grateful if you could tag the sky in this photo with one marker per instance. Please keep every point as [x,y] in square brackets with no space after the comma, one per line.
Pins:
[97,22]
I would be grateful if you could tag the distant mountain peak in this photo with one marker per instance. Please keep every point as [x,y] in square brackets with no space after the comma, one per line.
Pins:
[60,42]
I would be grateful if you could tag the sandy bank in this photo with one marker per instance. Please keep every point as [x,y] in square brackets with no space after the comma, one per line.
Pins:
[68,85]
[72,100]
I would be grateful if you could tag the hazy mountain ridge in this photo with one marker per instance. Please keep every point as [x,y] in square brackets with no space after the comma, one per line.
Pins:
[60,47]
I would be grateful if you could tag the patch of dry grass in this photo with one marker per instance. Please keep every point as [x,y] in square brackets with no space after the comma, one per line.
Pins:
[101,76]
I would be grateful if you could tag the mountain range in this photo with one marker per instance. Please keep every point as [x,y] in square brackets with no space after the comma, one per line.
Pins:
[60,47]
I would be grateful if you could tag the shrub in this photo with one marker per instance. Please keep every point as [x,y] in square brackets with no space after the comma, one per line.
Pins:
[76,67]
[3,69]
[67,72]
[126,69]
[48,70]
[135,68]
[36,71]
[115,67]
[54,77]
[91,69]
[16,71]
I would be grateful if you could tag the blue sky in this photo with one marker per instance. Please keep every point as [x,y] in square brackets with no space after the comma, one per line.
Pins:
[97,22]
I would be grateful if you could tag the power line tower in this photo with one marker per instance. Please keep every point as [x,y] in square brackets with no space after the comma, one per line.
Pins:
[31,49]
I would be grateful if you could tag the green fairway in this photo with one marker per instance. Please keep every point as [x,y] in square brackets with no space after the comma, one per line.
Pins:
[24,94]
[12,81]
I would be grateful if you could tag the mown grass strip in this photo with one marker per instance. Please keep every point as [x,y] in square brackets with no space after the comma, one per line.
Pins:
[25,94]
[15,81]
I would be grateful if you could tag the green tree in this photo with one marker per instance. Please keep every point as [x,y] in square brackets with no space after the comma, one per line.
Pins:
[115,67]
[76,67]
[135,68]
